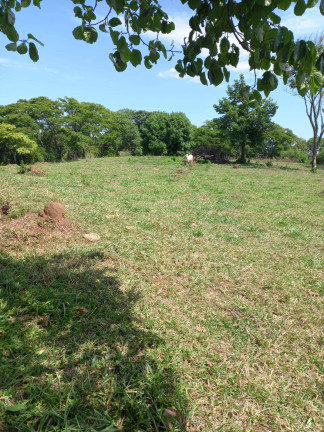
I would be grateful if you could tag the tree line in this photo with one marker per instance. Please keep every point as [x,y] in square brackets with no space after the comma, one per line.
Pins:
[41,129]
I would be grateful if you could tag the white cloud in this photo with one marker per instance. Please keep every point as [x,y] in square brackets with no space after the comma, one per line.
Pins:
[311,22]
[8,63]
[172,73]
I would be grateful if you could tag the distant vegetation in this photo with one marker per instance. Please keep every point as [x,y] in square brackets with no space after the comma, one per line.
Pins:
[41,129]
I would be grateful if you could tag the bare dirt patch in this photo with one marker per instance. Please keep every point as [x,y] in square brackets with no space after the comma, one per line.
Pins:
[35,170]
[37,231]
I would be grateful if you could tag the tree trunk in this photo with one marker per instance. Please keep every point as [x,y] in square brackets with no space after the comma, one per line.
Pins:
[314,154]
[243,157]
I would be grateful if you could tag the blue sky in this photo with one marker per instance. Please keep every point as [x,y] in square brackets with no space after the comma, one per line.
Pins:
[75,69]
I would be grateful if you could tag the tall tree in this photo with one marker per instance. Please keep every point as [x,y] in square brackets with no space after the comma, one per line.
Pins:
[244,126]
[313,94]
[277,140]
[254,25]
[15,146]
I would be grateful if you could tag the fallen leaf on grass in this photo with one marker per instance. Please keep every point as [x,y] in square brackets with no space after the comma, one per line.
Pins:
[131,228]
[81,310]
[16,408]
[92,237]
[173,418]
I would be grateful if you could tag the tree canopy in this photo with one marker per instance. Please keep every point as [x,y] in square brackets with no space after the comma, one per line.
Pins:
[245,127]
[219,32]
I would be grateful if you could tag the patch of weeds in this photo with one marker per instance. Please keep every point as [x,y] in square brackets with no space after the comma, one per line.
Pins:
[23,168]
[198,233]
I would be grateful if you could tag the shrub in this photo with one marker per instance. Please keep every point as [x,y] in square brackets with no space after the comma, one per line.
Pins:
[294,155]
[269,164]
[320,158]
[23,168]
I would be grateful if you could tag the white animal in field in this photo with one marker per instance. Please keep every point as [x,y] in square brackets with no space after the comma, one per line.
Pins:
[188,159]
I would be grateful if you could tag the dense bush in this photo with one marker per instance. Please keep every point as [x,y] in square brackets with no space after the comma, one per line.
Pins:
[167,134]
[66,129]
[320,158]
[295,155]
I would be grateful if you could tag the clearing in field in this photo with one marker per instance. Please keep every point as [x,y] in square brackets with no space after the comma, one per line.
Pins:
[199,308]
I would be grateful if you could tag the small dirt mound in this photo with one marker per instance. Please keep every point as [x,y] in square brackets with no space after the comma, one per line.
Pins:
[36,233]
[53,210]
[183,171]
[35,170]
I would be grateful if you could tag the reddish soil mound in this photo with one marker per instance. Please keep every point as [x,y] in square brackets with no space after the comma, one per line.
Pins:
[35,170]
[53,210]
[37,233]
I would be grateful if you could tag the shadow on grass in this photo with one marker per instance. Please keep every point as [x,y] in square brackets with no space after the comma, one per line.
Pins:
[273,168]
[73,357]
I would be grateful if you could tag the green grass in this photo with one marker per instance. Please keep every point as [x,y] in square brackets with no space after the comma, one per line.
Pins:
[205,292]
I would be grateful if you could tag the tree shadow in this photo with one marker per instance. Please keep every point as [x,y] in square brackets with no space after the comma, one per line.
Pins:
[272,168]
[74,357]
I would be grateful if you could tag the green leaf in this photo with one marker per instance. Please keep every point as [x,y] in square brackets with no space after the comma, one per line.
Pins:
[11,17]
[284,4]
[259,31]
[114,22]
[194,4]
[11,33]
[22,48]
[136,57]
[102,27]
[33,52]
[203,79]
[312,3]
[11,47]
[25,3]
[16,408]
[322,7]
[246,92]
[300,7]
[78,12]
[134,39]
[87,34]
[300,50]
[318,78]
[133,5]
[256,95]
[302,90]
[224,45]
[278,40]
[147,63]
[30,36]
[215,74]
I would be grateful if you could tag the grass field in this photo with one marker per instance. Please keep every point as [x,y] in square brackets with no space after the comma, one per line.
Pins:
[204,293]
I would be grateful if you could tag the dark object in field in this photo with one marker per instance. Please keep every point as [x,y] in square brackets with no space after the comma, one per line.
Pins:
[212,154]
[236,166]
[5,208]
[53,210]
[35,170]
[172,418]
